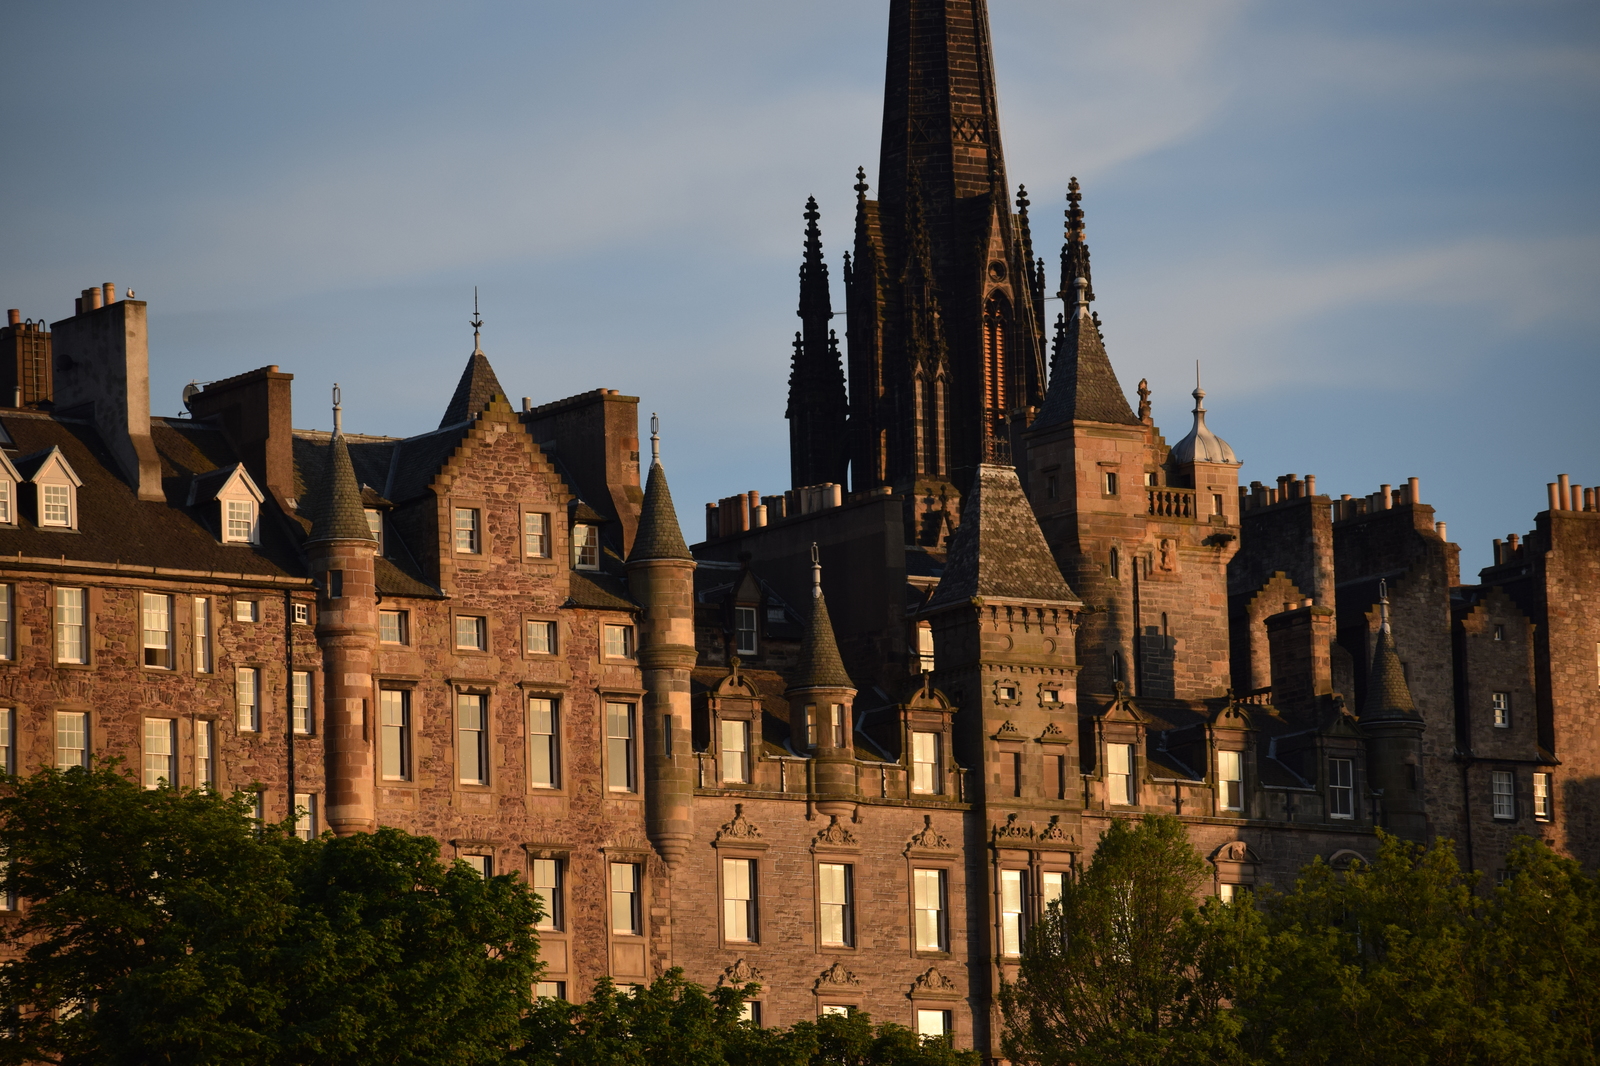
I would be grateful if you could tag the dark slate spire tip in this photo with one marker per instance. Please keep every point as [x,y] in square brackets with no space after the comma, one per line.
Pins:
[820,665]
[659,536]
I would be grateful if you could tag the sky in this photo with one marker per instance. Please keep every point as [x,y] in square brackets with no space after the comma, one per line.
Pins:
[1371,222]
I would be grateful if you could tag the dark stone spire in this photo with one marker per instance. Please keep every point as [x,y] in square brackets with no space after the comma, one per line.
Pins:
[477,383]
[659,535]
[1388,695]
[817,398]
[819,665]
[1082,384]
[999,551]
[336,510]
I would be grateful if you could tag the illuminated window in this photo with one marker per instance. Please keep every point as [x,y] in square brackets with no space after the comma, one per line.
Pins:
[305,815]
[8,513]
[156,617]
[925,763]
[1542,809]
[205,771]
[536,535]
[394,627]
[472,632]
[1341,788]
[301,696]
[619,747]
[247,698]
[472,737]
[619,642]
[1013,897]
[239,523]
[925,660]
[469,534]
[160,748]
[836,901]
[540,637]
[933,1024]
[625,916]
[8,647]
[375,526]
[1119,775]
[586,546]
[1230,781]
[245,611]
[546,875]
[928,900]
[482,865]
[202,635]
[72,739]
[394,734]
[739,900]
[1110,479]
[72,629]
[55,505]
[544,757]
[735,752]
[840,723]
[1501,703]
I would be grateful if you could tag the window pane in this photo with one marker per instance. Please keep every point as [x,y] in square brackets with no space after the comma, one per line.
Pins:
[1504,799]
[543,762]
[471,731]
[735,751]
[933,1023]
[1118,757]
[71,646]
[1230,780]
[394,718]
[927,887]
[536,535]
[619,747]
[204,768]
[202,635]
[468,534]
[1052,883]
[624,898]
[925,762]
[541,638]
[1341,790]
[7,647]
[1541,795]
[392,627]
[833,895]
[619,642]
[160,742]
[586,546]
[57,505]
[156,615]
[744,621]
[1012,891]
[546,875]
[5,501]
[738,899]
[8,750]
[241,521]
[472,632]
[302,701]
[305,822]
[248,699]
[72,739]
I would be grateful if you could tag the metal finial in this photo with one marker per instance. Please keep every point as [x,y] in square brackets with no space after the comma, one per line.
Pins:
[476,323]
[1383,604]
[655,438]
[861,182]
[338,411]
[816,572]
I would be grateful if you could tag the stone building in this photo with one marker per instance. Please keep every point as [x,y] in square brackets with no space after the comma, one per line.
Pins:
[852,742]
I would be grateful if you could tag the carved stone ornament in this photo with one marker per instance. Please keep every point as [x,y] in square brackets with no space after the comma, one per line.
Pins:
[1013,830]
[836,834]
[738,975]
[1054,734]
[928,837]
[1054,832]
[1234,851]
[932,982]
[1009,731]
[739,828]
[836,976]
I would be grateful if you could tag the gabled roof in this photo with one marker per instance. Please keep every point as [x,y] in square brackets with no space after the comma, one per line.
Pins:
[228,481]
[998,550]
[477,385]
[6,469]
[42,462]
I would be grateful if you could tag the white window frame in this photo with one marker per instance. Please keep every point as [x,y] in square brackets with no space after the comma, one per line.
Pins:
[622,732]
[203,613]
[241,521]
[472,732]
[245,610]
[1543,797]
[466,526]
[626,912]
[159,752]
[398,627]
[926,660]
[375,525]
[1120,763]
[305,825]
[619,642]
[535,535]
[533,629]
[544,742]
[8,600]
[71,617]
[1503,795]
[1500,707]
[1230,780]
[205,753]
[929,896]
[836,904]
[300,696]
[739,898]
[925,761]
[933,1023]
[1108,483]
[482,865]
[247,698]
[839,725]
[1013,911]
[547,877]
[1341,788]
[394,734]
[585,546]
[8,501]
[73,725]
[479,632]
[8,740]
[1052,886]
[744,630]
[734,751]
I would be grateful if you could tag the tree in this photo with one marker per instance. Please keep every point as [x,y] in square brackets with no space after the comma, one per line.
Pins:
[165,926]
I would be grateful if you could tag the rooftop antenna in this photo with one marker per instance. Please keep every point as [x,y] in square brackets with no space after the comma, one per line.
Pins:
[476,323]
[655,439]
[338,411]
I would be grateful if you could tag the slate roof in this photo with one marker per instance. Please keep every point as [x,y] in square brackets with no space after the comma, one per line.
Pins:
[659,535]
[998,549]
[1082,384]
[1388,695]
[114,525]
[335,508]
[477,385]
[820,665]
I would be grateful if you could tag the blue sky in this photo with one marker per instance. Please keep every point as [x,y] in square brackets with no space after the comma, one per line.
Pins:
[1371,221]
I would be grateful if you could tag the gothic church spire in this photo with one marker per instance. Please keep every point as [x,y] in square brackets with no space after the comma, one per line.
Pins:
[817,399]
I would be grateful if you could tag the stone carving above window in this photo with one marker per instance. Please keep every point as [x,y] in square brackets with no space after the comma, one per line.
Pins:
[928,838]
[934,983]
[835,835]
[739,974]
[739,828]
[1013,829]
[836,976]
[1054,832]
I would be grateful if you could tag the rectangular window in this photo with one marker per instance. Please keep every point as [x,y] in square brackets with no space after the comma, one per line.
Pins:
[241,522]
[925,659]
[810,725]
[472,735]
[1110,483]
[744,628]
[1501,703]
[927,898]
[394,627]
[8,743]
[72,629]
[305,815]
[6,515]
[586,547]
[375,526]
[540,637]
[619,747]
[302,614]
[8,647]
[202,635]
[1119,774]
[1052,883]
[482,865]
[245,611]
[736,752]
[750,1011]
[836,901]
[72,739]
[156,619]
[1503,785]
[550,990]
[469,532]
[1227,893]
[1216,503]
[1013,898]
[1055,767]
[247,697]
[536,535]
[546,875]
[925,763]
[1230,781]
[302,702]
[544,757]
[205,768]
[472,633]
[739,900]
[933,1024]
[625,898]
[57,509]
[1542,809]
[835,1010]
[839,723]
[1011,761]
[1341,788]
[619,642]
[160,751]
[394,733]
[258,807]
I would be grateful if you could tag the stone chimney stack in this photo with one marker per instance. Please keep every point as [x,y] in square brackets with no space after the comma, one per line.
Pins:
[254,410]
[25,356]
[1300,643]
[102,362]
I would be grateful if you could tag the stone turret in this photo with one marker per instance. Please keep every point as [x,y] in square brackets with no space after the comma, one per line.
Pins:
[1393,729]
[661,577]
[341,551]
[821,701]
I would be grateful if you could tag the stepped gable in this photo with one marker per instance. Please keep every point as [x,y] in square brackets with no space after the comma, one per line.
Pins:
[998,550]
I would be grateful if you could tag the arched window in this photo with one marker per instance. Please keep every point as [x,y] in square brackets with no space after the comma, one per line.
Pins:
[996,363]
[941,451]
[919,420]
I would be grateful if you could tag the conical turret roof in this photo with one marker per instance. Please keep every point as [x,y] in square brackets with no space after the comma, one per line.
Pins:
[1388,695]
[998,549]
[659,535]
[820,665]
[336,509]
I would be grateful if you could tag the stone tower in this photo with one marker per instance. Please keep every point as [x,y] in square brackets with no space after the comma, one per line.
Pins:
[943,296]
[661,578]
[341,551]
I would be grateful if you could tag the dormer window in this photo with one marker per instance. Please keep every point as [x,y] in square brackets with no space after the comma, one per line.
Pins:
[375,526]
[240,524]
[237,502]
[56,490]
[586,546]
[8,491]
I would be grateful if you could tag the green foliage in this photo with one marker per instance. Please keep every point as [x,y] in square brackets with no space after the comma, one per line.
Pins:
[1405,962]
[164,926]
[672,1022]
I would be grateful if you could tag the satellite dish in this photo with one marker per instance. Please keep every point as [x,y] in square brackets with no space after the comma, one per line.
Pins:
[190,391]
